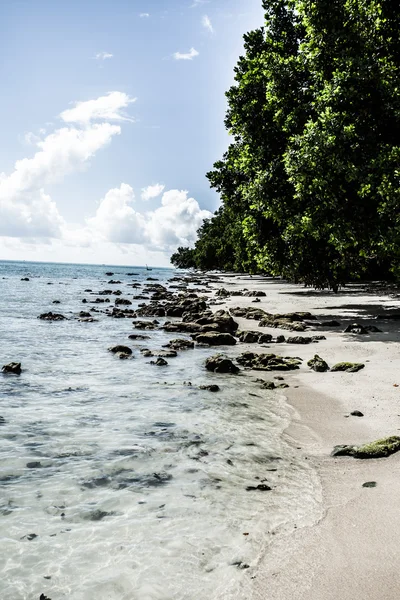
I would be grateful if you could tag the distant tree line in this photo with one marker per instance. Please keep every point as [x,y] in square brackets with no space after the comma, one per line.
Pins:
[310,182]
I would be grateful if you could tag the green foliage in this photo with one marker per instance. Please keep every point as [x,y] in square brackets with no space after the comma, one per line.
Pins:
[310,183]
[183,258]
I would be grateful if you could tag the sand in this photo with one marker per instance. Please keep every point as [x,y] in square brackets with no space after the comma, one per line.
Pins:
[351,550]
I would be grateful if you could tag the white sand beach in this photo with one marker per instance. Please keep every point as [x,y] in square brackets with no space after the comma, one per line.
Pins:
[351,552]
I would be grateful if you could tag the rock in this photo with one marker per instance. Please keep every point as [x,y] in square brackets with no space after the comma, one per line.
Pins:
[280,339]
[318,364]
[160,362]
[356,328]
[299,340]
[180,344]
[43,597]
[52,317]
[221,364]
[262,487]
[356,413]
[373,329]
[109,274]
[369,484]
[256,300]
[112,282]
[268,362]
[254,294]
[282,386]
[138,336]
[268,385]
[2,420]
[34,465]
[318,338]
[377,449]
[347,366]
[24,278]
[13,367]
[210,388]
[332,323]
[253,337]
[144,325]
[215,339]
[222,293]
[56,302]
[120,349]
[122,301]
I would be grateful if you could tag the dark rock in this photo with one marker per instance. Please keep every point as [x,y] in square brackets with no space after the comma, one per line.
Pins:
[223,293]
[109,274]
[318,364]
[357,413]
[262,487]
[332,323]
[52,317]
[318,338]
[13,367]
[268,362]
[299,340]
[144,325]
[112,282]
[369,484]
[42,596]
[2,420]
[138,336]
[280,339]
[215,339]
[160,362]
[282,386]
[25,279]
[356,328]
[268,385]
[180,344]
[56,302]
[120,349]
[210,388]
[29,536]
[34,464]
[122,301]
[254,294]
[373,329]
[221,364]
[347,366]
[84,314]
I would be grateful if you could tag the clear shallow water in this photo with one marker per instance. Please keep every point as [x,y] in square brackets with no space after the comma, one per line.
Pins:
[132,482]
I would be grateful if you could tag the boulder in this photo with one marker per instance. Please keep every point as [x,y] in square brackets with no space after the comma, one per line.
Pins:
[268,362]
[318,364]
[221,364]
[348,367]
[180,344]
[356,413]
[122,301]
[298,339]
[52,317]
[160,362]
[378,449]
[137,336]
[120,349]
[13,367]
[210,388]
[255,294]
[24,278]
[356,328]
[144,325]
[215,339]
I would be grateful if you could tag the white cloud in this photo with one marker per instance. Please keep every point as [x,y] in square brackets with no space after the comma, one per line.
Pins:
[106,108]
[172,224]
[116,221]
[103,56]
[197,3]
[152,191]
[26,210]
[206,22]
[144,15]
[189,56]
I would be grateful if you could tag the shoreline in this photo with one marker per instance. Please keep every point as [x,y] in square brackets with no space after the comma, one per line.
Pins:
[350,551]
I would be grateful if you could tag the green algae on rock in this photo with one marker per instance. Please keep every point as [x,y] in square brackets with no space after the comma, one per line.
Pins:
[378,449]
[268,362]
[348,367]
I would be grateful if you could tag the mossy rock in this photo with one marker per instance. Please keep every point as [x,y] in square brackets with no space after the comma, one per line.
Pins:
[348,367]
[318,364]
[380,448]
[377,449]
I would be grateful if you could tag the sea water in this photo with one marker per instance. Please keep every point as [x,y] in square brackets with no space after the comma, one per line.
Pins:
[120,479]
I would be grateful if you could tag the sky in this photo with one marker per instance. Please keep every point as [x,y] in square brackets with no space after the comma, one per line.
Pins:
[111,114]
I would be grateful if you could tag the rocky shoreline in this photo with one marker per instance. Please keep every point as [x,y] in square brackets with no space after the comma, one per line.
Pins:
[253,325]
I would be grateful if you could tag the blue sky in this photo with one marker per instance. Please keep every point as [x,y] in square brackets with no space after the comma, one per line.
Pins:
[150,77]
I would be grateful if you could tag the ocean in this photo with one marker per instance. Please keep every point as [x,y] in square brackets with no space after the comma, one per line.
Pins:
[121,479]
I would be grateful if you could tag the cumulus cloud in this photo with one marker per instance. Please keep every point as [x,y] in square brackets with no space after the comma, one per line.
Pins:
[188,56]
[103,56]
[25,207]
[144,15]
[206,22]
[152,191]
[107,108]
[116,220]
[172,224]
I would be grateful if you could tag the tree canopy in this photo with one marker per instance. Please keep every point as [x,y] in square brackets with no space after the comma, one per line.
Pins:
[310,184]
